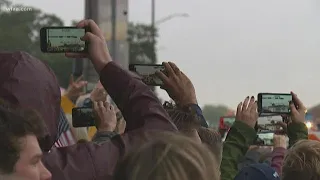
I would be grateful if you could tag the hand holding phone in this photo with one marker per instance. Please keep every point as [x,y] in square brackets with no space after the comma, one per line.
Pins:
[106,116]
[178,86]
[148,73]
[97,51]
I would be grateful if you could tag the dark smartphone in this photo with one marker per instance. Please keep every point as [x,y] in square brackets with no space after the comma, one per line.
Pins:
[83,117]
[147,73]
[269,124]
[264,139]
[62,39]
[274,103]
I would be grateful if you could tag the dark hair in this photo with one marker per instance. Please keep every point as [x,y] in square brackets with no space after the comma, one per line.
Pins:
[182,117]
[15,124]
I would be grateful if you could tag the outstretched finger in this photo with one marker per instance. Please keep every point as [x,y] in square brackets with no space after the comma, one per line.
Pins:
[251,102]
[107,105]
[253,107]
[163,77]
[101,105]
[175,68]
[245,104]
[168,69]
[239,108]
[93,27]
[298,103]
[71,79]
[79,79]
[294,111]
[95,106]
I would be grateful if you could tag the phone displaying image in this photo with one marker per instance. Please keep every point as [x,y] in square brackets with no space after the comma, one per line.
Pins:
[62,39]
[264,139]
[83,117]
[226,122]
[269,124]
[147,73]
[274,103]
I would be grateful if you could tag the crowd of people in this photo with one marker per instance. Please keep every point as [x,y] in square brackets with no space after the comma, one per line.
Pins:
[136,136]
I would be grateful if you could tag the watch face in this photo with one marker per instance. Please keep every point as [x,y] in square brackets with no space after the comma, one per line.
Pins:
[87,103]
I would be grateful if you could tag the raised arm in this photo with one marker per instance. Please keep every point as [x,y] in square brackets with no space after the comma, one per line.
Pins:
[139,105]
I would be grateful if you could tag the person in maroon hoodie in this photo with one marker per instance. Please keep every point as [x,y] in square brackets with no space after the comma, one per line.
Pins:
[27,82]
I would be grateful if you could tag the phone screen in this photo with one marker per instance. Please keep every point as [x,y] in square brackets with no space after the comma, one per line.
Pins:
[269,124]
[228,121]
[275,103]
[147,73]
[83,117]
[265,139]
[62,39]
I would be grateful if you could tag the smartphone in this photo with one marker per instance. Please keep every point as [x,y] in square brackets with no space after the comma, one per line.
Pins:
[226,122]
[274,103]
[269,124]
[264,139]
[147,73]
[83,117]
[62,39]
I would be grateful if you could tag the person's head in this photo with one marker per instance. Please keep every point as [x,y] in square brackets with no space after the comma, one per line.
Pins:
[302,161]
[28,82]
[169,156]
[258,171]
[213,140]
[20,153]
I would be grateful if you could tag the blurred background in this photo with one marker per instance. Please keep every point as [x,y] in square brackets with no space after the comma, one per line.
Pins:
[229,49]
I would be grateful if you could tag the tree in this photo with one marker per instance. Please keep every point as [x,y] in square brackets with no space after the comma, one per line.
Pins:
[212,113]
[141,47]
[20,32]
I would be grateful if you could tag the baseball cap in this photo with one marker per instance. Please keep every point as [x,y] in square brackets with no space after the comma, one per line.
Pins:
[259,171]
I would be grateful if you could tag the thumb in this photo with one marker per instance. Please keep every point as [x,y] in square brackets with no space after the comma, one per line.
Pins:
[88,37]
[294,110]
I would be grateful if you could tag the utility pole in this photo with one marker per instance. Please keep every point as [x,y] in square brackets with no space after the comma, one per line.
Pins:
[114,29]
[153,26]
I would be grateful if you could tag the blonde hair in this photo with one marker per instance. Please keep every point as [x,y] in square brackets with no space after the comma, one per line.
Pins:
[171,157]
[302,161]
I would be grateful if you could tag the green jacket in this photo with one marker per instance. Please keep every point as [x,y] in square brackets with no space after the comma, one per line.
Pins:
[240,137]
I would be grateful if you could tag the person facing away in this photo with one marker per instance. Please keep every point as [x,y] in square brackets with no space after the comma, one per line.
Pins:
[28,82]
[302,161]
[169,156]
[20,153]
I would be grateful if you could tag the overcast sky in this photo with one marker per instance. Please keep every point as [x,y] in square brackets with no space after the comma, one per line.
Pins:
[231,49]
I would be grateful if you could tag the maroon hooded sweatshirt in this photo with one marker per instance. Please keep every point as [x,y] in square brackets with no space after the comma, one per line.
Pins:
[27,82]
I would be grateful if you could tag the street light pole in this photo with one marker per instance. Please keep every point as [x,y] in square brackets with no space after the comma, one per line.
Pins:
[153,28]
[114,29]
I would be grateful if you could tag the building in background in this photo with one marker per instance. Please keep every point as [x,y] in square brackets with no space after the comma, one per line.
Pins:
[101,12]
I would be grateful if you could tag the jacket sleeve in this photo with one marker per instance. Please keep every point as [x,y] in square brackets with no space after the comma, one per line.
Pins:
[142,111]
[277,159]
[237,143]
[296,132]
[101,137]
